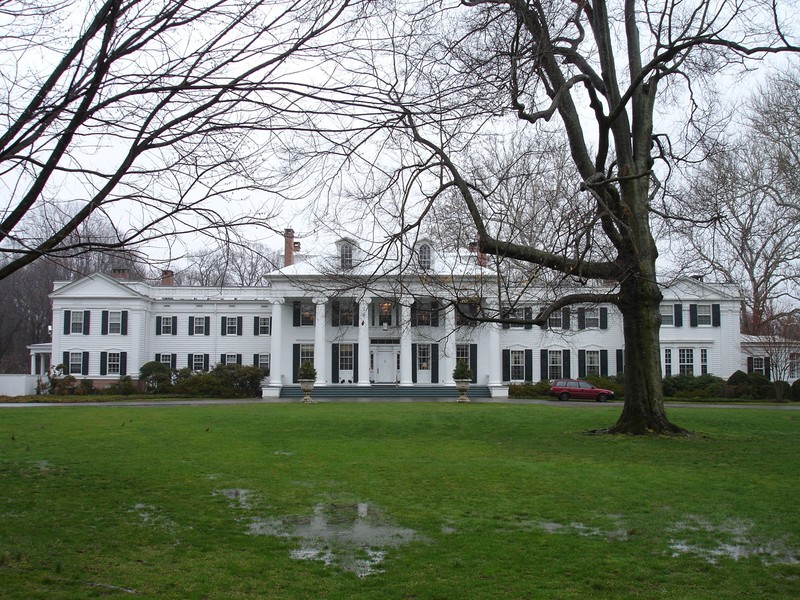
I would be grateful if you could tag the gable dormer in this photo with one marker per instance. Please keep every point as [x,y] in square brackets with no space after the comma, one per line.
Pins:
[424,254]
[346,254]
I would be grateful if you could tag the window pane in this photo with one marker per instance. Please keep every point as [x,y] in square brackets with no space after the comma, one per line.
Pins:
[667,314]
[593,362]
[113,363]
[518,365]
[76,361]
[76,320]
[263,361]
[198,362]
[199,325]
[166,325]
[592,319]
[230,327]
[308,313]
[345,357]
[115,322]
[686,361]
[554,364]
[423,357]
[704,314]
[263,326]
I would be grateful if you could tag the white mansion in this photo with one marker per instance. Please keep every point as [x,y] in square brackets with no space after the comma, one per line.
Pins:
[364,325]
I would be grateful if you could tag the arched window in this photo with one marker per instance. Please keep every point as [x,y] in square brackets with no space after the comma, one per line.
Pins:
[346,256]
[425,256]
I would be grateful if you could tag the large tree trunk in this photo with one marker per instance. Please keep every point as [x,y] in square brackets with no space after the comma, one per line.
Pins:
[643,411]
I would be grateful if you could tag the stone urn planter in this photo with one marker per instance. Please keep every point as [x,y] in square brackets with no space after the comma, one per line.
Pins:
[462,375]
[307,376]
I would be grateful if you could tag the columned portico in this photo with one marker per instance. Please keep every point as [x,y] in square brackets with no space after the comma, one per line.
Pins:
[363,340]
[276,353]
[449,359]
[405,342]
[320,362]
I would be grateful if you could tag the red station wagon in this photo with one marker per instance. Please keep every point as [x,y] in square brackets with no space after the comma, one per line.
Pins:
[565,389]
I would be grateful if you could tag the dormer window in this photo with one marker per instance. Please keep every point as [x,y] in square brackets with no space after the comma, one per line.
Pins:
[425,256]
[346,256]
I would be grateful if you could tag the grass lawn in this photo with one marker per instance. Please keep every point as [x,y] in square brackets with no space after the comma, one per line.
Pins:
[393,501]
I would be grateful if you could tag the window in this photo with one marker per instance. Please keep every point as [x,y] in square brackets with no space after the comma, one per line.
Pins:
[76,361]
[423,357]
[166,325]
[385,313]
[759,365]
[704,314]
[667,362]
[344,313]
[76,322]
[686,361]
[230,359]
[306,353]
[794,365]
[166,359]
[198,362]
[517,314]
[463,311]
[230,326]
[462,352]
[345,357]
[115,321]
[263,362]
[703,361]
[425,256]
[592,360]
[346,256]
[592,318]
[554,364]
[422,314]
[517,365]
[555,321]
[308,314]
[199,325]
[263,326]
[113,364]
[667,312]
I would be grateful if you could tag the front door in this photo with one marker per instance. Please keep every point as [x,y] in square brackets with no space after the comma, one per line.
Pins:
[385,365]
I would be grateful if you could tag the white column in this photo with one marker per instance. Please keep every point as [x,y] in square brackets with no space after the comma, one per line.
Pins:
[34,370]
[276,347]
[320,361]
[405,342]
[495,376]
[449,361]
[363,341]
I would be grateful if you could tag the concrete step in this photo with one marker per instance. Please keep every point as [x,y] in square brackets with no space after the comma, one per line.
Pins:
[384,391]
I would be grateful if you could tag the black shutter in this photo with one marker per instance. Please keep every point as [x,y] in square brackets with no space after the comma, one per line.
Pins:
[223,329]
[158,325]
[65,356]
[124,326]
[238,325]
[678,311]
[716,318]
[581,362]
[528,312]
[103,362]
[296,313]
[123,364]
[158,357]
[473,361]
[334,363]
[604,363]
[505,316]
[693,315]
[414,317]
[581,320]
[413,363]
[749,364]
[434,314]
[434,363]
[205,362]
[620,361]
[355,363]
[295,362]
[207,328]
[174,361]
[603,317]
[67,322]
[506,365]
[255,360]
[767,369]
[566,366]
[528,365]
[85,366]
[222,359]
[175,325]
[191,325]
[255,326]
[543,366]
[104,323]
[86,315]
[565,317]
[238,359]
[190,362]
[335,314]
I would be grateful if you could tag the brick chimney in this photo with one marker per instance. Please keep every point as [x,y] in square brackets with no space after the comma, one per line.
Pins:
[480,256]
[121,274]
[167,278]
[289,247]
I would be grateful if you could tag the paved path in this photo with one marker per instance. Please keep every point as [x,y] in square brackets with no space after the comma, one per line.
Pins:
[207,402]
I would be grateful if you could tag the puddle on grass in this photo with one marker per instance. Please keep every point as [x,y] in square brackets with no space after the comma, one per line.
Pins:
[618,532]
[731,539]
[237,498]
[353,537]
[151,516]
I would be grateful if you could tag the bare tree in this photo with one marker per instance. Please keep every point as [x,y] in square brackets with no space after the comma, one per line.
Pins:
[151,114]
[230,264]
[456,80]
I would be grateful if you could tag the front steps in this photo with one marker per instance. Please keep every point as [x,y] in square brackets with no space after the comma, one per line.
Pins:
[379,390]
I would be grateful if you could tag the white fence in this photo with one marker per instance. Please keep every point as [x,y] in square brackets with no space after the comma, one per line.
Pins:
[18,385]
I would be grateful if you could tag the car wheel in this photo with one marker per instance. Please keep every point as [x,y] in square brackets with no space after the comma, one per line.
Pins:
[564,396]
[602,398]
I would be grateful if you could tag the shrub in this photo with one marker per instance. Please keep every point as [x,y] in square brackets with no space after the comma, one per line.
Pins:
[688,386]
[124,386]
[86,387]
[200,384]
[157,377]
[783,391]
[615,384]
[738,378]
[540,389]
[60,383]
[462,370]
[223,381]
[307,370]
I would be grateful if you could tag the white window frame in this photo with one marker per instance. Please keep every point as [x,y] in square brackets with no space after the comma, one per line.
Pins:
[306,353]
[703,361]
[591,318]
[667,362]
[346,256]
[114,363]
[166,359]
[462,353]
[346,354]
[517,314]
[667,312]
[348,313]
[704,315]
[517,365]
[199,325]
[308,314]
[115,322]
[423,357]
[230,359]
[76,321]
[555,321]
[264,361]
[264,326]
[759,365]
[166,325]
[198,362]
[593,362]
[425,256]
[686,361]
[555,364]
[794,365]
[231,327]
[71,367]
[385,311]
